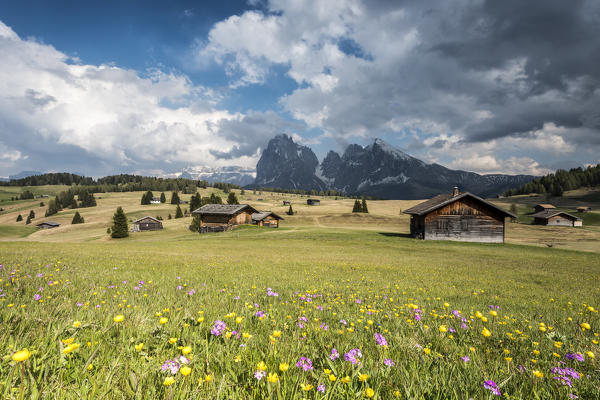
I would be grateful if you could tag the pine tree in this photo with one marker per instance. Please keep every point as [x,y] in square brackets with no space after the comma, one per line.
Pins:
[146,198]
[31,214]
[77,219]
[232,198]
[195,226]
[119,228]
[19,218]
[175,198]
[290,211]
[243,192]
[42,204]
[169,217]
[357,207]
[178,213]
[364,206]
[28,221]
[163,198]
[513,208]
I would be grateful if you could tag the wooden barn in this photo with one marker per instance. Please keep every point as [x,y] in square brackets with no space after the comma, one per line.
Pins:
[222,217]
[313,202]
[147,224]
[584,209]
[266,218]
[556,218]
[458,216]
[543,207]
[286,203]
[48,225]
[155,200]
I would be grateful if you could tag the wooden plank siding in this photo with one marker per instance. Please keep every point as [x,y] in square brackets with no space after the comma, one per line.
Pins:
[242,218]
[557,220]
[464,220]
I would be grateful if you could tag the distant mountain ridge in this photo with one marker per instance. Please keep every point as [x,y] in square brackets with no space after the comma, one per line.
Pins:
[378,170]
[230,174]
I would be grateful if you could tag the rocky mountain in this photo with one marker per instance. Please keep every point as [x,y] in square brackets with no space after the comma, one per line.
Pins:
[285,164]
[378,169]
[232,174]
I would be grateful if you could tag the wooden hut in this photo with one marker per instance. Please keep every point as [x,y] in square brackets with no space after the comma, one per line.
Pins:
[556,218]
[584,209]
[543,207]
[147,224]
[48,225]
[286,203]
[155,200]
[313,202]
[266,218]
[458,216]
[222,217]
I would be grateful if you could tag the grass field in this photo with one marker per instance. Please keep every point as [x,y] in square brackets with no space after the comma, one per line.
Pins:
[244,308]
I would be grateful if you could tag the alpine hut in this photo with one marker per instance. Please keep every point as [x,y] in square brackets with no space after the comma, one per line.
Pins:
[313,202]
[584,209]
[266,218]
[543,207]
[556,218]
[48,225]
[146,224]
[222,217]
[458,216]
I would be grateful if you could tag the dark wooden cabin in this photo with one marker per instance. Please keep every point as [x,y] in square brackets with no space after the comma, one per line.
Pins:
[221,217]
[556,218]
[584,209]
[286,203]
[458,216]
[147,224]
[266,218]
[543,207]
[48,225]
[313,202]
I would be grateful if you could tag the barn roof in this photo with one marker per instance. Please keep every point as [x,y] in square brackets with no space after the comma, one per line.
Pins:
[264,214]
[223,209]
[143,218]
[545,206]
[446,198]
[584,208]
[546,214]
[49,223]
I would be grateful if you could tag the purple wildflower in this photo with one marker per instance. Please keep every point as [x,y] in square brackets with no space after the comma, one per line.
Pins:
[575,356]
[258,374]
[380,339]
[171,366]
[305,364]
[343,322]
[321,388]
[334,354]
[179,287]
[260,314]
[37,297]
[40,275]
[191,292]
[324,326]
[353,356]
[218,328]
[492,387]
[465,358]
[389,362]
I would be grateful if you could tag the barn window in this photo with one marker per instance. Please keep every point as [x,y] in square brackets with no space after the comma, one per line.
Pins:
[558,221]
[442,224]
[464,224]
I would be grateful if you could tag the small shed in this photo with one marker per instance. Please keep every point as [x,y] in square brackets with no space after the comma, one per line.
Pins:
[147,224]
[266,218]
[556,218]
[48,225]
[286,203]
[313,202]
[220,217]
[458,216]
[543,207]
[584,209]
[155,200]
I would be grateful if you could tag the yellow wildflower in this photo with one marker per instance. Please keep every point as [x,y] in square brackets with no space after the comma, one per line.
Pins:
[538,374]
[21,355]
[272,377]
[369,392]
[185,371]
[118,318]
[169,380]
[284,367]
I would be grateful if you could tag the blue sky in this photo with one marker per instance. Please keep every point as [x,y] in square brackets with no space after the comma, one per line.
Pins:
[152,87]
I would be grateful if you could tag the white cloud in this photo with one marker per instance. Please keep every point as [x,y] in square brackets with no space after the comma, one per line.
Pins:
[119,116]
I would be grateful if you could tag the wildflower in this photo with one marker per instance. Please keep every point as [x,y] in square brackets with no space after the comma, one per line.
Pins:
[584,326]
[369,392]
[380,340]
[173,340]
[238,320]
[345,379]
[283,367]
[163,320]
[321,388]
[186,350]
[139,346]
[118,318]
[76,324]
[273,377]
[574,356]
[262,366]
[332,377]
[90,367]
[353,356]
[443,328]
[185,371]
[259,374]
[388,362]
[70,348]
[485,332]
[276,334]
[21,355]
[492,387]
[363,377]
[171,366]
[169,380]
[465,358]
[334,355]
[306,387]
[208,378]
[589,354]
[538,374]
[218,328]
[304,363]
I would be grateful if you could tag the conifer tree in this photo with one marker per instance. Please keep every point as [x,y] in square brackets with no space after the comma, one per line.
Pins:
[513,208]
[290,211]
[77,219]
[178,212]
[232,198]
[364,206]
[357,207]
[169,217]
[119,228]
[175,198]
[31,214]
[19,218]
[28,221]
[163,198]
[42,204]
[195,226]
[52,208]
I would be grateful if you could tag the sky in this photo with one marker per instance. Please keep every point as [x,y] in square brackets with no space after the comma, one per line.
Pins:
[151,87]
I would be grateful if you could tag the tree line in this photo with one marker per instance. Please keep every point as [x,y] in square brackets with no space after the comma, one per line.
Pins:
[560,181]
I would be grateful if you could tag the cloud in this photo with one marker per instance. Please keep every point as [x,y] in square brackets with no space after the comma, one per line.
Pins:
[56,113]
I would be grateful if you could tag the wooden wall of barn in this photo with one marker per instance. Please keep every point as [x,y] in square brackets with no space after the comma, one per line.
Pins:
[557,220]
[241,218]
[465,220]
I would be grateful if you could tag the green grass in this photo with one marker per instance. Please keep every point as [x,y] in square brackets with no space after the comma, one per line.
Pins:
[372,279]
[11,231]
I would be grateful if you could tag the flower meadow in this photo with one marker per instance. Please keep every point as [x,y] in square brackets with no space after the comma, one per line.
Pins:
[129,327]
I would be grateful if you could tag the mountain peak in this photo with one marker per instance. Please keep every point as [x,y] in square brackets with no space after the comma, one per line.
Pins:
[389,149]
